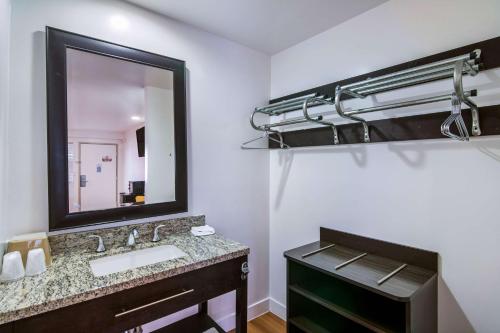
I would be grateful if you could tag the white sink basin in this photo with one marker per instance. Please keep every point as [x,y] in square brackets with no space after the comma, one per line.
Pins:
[122,262]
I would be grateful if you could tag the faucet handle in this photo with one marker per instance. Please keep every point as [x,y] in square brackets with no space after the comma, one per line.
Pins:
[100,246]
[134,234]
[156,236]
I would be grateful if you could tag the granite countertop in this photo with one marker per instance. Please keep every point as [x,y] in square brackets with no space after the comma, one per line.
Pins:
[69,279]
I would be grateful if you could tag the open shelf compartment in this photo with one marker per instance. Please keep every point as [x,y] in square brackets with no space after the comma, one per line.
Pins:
[310,317]
[370,310]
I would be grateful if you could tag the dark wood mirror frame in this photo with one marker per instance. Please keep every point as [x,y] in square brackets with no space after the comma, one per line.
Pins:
[57,132]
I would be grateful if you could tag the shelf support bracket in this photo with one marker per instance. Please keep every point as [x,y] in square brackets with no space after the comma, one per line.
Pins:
[320,120]
[340,111]
[459,91]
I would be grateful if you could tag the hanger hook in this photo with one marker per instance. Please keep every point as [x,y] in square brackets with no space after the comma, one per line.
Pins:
[340,111]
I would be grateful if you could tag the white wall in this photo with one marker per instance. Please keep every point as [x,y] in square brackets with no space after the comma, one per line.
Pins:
[437,195]
[134,167]
[4,105]
[230,186]
[159,142]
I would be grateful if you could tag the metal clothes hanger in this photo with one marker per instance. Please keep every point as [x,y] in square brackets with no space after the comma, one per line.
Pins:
[266,135]
[455,117]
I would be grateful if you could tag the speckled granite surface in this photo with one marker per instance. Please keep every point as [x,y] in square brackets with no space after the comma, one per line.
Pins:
[70,280]
[116,236]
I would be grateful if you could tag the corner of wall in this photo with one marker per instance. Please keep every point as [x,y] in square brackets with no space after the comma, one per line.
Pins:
[5,21]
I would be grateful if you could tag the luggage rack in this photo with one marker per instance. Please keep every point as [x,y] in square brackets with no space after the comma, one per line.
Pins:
[353,259]
[352,283]
[456,68]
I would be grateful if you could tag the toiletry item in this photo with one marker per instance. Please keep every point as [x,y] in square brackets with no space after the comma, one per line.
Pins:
[35,264]
[204,230]
[12,267]
[24,243]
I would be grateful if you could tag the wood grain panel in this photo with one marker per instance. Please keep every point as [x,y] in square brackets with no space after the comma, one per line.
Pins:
[267,323]
[419,127]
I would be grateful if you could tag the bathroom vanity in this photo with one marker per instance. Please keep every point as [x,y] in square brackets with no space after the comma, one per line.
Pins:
[70,298]
[135,274]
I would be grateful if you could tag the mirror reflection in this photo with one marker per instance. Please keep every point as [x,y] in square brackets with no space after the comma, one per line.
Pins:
[120,133]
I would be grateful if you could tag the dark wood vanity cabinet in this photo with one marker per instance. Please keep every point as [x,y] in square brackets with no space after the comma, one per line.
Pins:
[7,328]
[133,307]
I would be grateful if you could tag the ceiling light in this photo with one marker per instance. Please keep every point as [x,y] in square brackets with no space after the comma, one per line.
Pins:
[118,22]
[136,118]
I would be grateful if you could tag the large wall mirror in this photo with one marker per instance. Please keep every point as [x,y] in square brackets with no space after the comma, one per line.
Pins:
[116,132]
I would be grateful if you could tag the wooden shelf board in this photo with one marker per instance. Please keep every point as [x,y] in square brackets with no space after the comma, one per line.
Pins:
[197,323]
[339,310]
[365,272]
[307,325]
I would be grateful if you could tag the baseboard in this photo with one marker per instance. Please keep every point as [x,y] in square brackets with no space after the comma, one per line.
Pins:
[254,310]
[277,308]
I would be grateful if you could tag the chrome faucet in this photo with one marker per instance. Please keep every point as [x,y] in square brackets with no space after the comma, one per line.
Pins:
[100,246]
[156,236]
[134,234]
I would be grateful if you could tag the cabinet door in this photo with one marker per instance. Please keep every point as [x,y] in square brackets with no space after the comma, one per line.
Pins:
[7,328]
[90,316]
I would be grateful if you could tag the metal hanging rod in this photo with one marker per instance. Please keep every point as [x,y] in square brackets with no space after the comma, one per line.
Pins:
[472,58]
[391,274]
[397,105]
[275,109]
[321,249]
[266,136]
[311,101]
[419,101]
[456,67]
[285,106]
[345,263]
[356,258]
[410,81]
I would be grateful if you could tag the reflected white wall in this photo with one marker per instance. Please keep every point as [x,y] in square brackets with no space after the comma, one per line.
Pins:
[134,167]
[160,150]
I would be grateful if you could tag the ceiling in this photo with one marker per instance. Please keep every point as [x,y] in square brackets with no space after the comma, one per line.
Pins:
[107,94]
[269,26]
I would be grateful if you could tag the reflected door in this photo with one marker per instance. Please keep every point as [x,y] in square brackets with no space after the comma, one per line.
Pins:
[98,176]
[73,204]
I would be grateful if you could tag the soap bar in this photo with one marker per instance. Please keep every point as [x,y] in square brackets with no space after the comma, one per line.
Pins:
[25,243]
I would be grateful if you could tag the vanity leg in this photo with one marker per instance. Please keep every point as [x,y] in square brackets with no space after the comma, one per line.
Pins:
[241,307]
[203,307]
